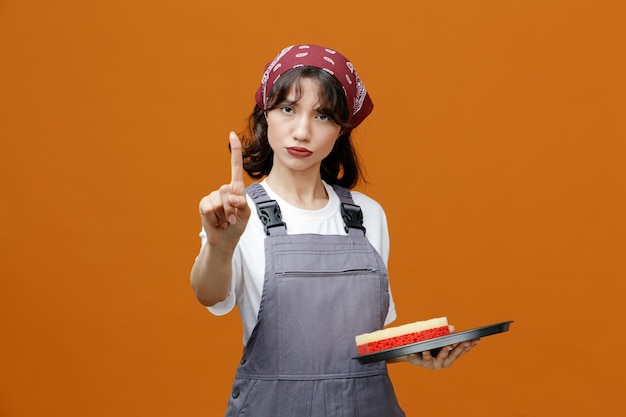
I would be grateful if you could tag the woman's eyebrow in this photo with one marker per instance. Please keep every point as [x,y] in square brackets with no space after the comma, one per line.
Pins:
[287,102]
[323,109]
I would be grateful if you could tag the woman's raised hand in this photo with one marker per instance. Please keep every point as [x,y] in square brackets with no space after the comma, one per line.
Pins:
[225,212]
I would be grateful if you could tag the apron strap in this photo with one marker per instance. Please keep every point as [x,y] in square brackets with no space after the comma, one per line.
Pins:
[351,213]
[268,210]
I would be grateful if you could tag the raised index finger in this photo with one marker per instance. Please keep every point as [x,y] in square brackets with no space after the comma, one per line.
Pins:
[236,164]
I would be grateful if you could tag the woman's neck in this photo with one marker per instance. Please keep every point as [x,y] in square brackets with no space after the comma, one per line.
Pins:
[302,191]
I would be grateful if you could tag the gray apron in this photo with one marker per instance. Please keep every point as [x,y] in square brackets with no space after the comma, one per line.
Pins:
[319,292]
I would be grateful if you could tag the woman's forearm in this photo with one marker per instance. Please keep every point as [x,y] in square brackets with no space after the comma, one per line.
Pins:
[211,274]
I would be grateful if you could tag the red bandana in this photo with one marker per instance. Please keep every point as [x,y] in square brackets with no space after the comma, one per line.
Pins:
[330,61]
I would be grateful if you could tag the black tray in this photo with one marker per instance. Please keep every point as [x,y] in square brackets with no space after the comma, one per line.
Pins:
[436,343]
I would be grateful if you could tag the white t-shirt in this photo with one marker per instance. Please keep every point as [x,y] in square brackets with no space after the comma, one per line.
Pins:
[249,257]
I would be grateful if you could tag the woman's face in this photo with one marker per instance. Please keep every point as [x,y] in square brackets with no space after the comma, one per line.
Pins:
[299,134]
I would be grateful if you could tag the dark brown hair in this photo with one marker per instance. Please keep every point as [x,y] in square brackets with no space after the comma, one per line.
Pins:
[341,166]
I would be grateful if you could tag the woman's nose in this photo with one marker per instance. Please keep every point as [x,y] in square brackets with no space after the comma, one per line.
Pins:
[302,128]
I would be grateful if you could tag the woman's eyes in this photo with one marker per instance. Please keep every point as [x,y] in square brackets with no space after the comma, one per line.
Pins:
[320,116]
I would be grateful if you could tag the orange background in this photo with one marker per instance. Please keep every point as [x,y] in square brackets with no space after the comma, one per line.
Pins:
[497,147]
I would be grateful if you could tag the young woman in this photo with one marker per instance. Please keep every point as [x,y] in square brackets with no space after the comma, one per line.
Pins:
[302,257]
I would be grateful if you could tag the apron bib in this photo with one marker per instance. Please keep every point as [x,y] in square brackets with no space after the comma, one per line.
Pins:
[319,292]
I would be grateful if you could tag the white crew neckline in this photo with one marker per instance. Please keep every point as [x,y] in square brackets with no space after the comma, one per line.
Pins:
[329,210]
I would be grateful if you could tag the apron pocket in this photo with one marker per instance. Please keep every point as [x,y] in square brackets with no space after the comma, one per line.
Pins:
[319,313]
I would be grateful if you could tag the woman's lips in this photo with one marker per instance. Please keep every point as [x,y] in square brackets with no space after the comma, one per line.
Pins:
[299,152]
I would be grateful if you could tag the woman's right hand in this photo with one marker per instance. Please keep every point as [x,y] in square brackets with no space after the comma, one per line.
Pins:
[225,212]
